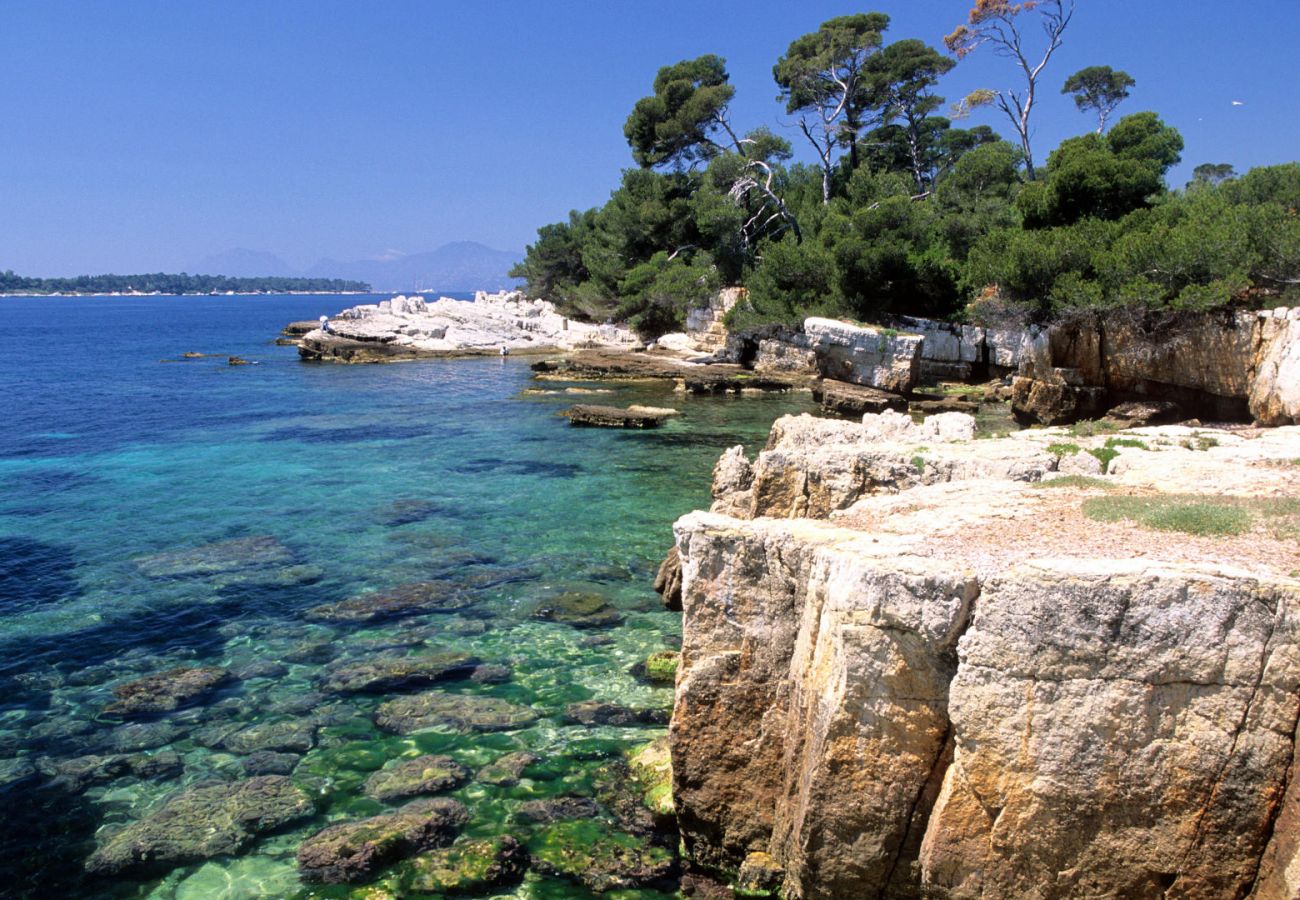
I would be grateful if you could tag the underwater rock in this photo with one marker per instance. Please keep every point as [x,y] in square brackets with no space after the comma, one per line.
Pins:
[598,712]
[403,600]
[600,858]
[578,609]
[201,822]
[80,772]
[137,736]
[165,691]
[235,555]
[260,668]
[422,775]
[651,766]
[270,762]
[15,770]
[557,809]
[290,736]
[466,867]
[354,852]
[390,672]
[464,712]
[312,650]
[490,673]
[507,770]
[405,511]
[658,668]
[668,581]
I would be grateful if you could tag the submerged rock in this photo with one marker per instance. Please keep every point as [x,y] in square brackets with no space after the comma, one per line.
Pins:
[668,581]
[658,668]
[270,762]
[651,766]
[557,809]
[403,600]
[463,712]
[599,857]
[165,691]
[293,735]
[422,775]
[507,770]
[199,823]
[466,867]
[406,510]
[391,672]
[81,772]
[614,417]
[355,852]
[578,609]
[212,559]
[598,712]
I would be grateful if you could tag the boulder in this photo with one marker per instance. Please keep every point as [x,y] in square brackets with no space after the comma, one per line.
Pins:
[199,823]
[423,775]
[166,691]
[478,866]
[284,736]
[614,417]
[396,672]
[578,609]
[599,857]
[506,771]
[412,599]
[859,354]
[463,712]
[355,852]
[79,773]
[668,581]
[557,809]
[854,400]
[599,712]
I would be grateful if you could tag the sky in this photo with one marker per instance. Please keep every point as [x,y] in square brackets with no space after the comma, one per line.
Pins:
[145,135]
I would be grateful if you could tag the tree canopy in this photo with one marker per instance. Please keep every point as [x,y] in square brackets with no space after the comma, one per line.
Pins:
[1100,89]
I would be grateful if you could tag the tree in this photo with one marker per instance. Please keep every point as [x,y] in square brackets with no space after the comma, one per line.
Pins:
[821,80]
[1100,89]
[1212,174]
[899,81]
[677,125]
[996,22]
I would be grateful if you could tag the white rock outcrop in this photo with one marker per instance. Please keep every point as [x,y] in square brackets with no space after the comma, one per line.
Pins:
[859,354]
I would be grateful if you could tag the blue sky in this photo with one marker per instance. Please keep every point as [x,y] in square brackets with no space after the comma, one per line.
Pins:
[145,135]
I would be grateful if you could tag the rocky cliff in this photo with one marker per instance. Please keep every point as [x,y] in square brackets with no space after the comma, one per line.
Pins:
[914,666]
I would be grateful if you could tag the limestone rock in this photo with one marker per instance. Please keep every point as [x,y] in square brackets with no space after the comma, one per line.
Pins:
[355,852]
[668,580]
[864,355]
[201,822]
[1274,397]
[854,400]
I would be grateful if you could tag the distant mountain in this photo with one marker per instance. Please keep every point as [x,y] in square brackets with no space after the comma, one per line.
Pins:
[243,263]
[460,266]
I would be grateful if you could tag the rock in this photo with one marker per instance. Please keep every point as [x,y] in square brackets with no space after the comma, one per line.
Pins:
[355,852]
[467,867]
[406,510]
[463,712]
[507,770]
[600,858]
[1274,395]
[81,772]
[260,668]
[1144,412]
[422,775]
[557,809]
[223,557]
[854,400]
[760,876]
[411,328]
[199,823]
[238,361]
[658,668]
[718,380]
[613,417]
[391,672]
[668,580]
[270,762]
[491,673]
[288,736]
[165,691]
[298,329]
[864,355]
[412,599]
[597,712]
[578,609]
[137,736]
[651,766]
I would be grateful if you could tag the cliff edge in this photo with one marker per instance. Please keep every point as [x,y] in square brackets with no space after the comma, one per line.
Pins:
[919,664]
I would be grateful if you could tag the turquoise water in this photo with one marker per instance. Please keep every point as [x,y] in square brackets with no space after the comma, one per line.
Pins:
[360,479]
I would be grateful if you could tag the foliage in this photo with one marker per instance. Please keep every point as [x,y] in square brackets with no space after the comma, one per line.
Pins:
[160,283]
[1100,89]
[658,292]
[1203,516]
[677,124]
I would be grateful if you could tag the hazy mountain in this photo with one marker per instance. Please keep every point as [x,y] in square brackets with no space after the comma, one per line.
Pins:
[242,263]
[460,266]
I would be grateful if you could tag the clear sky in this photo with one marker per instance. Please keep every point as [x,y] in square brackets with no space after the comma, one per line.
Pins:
[145,135]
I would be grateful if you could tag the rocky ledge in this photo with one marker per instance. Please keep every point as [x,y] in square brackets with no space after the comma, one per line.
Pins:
[1058,664]
[411,328]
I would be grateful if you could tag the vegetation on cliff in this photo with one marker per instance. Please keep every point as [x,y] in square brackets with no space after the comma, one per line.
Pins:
[904,212]
[160,283]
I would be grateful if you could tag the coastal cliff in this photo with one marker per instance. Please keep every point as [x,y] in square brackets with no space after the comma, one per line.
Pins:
[920,665]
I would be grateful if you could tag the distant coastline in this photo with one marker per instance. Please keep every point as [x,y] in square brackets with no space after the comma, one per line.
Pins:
[182,284]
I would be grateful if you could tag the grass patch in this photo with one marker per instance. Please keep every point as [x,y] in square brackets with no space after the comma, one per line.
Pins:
[1126,442]
[1059,450]
[1206,516]
[918,463]
[1105,456]
[1078,481]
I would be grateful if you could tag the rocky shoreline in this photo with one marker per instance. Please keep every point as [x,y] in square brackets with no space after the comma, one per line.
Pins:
[919,664]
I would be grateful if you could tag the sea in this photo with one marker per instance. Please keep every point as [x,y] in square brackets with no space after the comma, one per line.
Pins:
[159,512]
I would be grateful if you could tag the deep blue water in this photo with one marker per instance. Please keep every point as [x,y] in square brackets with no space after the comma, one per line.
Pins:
[362,478]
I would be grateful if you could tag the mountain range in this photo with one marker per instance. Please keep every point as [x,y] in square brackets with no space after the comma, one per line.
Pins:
[458,266]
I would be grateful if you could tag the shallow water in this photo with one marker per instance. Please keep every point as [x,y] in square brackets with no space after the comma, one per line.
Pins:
[365,478]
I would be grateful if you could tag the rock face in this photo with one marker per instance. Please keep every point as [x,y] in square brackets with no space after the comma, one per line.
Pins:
[964,687]
[875,357]
[411,328]
[1275,391]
